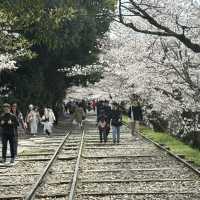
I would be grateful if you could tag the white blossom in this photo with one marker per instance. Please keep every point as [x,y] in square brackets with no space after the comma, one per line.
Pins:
[7,62]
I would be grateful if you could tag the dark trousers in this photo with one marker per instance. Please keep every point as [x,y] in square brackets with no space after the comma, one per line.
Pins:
[107,130]
[15,143]
[5,138]
[103,135]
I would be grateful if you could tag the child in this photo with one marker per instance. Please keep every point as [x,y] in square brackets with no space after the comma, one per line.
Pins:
[102,126]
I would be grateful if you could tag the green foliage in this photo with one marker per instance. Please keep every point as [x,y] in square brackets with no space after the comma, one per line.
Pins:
[59,33]
[176,146]
[125,119]
[51,22]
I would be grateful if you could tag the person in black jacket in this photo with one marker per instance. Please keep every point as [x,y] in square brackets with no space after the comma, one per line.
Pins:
[107,109]
[135,114]
[100,108]
[9,124]
[116,122]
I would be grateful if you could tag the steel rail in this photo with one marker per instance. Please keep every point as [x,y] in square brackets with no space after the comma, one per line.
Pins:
[136,193]
[76,171]
[31,194]
[168,151]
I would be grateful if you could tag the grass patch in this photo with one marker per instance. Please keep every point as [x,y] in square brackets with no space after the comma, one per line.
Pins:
[125,119]
[175,145]
[30,151]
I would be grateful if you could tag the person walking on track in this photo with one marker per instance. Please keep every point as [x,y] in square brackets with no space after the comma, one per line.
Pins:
[79,114]
[136,116]
[9,124]
[48,120]
[103,126]
[116,122]
[33,119]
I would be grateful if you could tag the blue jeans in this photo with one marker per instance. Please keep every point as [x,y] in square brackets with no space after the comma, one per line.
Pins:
[116,133]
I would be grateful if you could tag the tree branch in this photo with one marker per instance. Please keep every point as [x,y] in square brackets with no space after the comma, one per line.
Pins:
[164,31]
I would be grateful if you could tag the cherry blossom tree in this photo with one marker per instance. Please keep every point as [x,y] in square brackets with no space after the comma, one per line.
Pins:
[6,62]
[179,20]
[155,56]
[163,72]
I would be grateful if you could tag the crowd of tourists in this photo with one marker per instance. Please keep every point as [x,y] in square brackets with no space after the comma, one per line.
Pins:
[11,119]
[77,110]
[109,118]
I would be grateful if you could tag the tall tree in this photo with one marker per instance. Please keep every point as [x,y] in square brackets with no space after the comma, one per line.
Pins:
[62,34]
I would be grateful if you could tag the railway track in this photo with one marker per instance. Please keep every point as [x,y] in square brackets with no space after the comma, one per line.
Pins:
[135,169]
[44,169]
[76,166]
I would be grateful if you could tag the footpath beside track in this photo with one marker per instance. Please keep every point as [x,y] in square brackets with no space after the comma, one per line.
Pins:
[85,169]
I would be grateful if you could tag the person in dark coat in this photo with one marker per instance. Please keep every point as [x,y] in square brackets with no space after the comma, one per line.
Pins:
[9,124]
[135,114]
[100,108]
[107,109]
[116,122]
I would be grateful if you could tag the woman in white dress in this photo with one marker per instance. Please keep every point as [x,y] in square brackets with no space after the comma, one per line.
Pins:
[33,119]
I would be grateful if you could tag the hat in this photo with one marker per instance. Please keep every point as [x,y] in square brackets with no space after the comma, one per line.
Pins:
[6,105]
[30,106]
